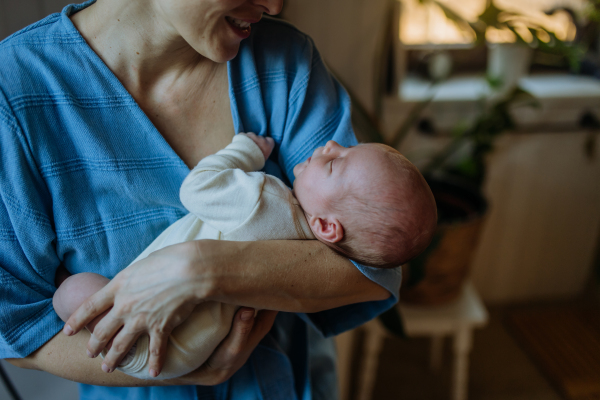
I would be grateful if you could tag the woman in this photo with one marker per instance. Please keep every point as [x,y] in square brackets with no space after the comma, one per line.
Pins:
[103,110]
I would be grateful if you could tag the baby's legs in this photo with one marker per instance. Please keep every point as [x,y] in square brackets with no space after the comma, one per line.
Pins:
[73,291]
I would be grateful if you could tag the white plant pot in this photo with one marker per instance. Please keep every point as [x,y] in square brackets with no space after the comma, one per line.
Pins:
[508,62]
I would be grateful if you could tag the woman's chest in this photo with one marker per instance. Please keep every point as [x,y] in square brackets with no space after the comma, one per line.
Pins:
[121,212]
[195,120]
[112,182]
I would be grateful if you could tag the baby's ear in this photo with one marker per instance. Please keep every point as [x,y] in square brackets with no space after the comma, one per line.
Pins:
[327,229]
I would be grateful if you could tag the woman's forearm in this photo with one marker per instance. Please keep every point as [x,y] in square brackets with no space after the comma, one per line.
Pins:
[285,275]
[65,357]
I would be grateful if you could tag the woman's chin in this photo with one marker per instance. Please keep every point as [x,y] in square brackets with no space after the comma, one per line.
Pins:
[223,54]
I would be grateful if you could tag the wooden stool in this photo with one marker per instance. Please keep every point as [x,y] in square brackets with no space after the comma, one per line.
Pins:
[458,319]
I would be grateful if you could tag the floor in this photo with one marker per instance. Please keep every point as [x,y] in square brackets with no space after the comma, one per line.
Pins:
[37,385]
[499,369]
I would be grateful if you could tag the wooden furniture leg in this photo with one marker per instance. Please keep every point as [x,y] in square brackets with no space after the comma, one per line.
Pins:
[374,337]
[437,346]
[462,347]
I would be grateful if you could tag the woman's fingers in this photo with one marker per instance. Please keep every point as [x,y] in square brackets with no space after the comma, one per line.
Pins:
[158,350]
[119,348]
[247,331]
[91,308]
[226,359]
[103,332]
[246,334]
[235,342]
[262,325]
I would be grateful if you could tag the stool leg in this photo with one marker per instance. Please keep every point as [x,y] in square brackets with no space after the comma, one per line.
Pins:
[437,346]
[345,344]
[462,347]
[374,336]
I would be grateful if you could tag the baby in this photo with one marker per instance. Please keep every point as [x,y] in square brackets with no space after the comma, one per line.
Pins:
[367,202]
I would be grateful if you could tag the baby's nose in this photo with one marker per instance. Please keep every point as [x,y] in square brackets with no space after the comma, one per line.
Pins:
[331,145]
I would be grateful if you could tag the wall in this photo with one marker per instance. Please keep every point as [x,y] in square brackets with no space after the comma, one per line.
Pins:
[540,237]
[347,34]
[17,14]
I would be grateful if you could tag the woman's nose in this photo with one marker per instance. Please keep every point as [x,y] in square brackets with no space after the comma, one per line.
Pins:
[271,7]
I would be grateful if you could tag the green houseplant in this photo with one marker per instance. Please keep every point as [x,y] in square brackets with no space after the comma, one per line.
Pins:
[526,31]
[463,159]
[460,165]
[455,174]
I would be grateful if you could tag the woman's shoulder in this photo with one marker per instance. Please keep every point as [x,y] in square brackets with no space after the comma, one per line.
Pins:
[48,60]
[39,35]
[35,54]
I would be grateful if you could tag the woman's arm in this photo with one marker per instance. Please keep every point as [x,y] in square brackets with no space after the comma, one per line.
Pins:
[63,356]
[293,275]
[296,276]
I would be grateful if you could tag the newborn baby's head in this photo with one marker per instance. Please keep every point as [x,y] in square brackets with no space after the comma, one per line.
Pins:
[367,202]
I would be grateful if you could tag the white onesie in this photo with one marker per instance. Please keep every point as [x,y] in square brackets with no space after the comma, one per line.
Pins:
[227,200]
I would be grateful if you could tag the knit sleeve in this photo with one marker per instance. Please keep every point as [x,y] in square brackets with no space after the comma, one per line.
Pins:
[223,189]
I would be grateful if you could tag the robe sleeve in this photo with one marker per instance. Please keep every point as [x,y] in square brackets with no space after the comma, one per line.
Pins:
[28,260]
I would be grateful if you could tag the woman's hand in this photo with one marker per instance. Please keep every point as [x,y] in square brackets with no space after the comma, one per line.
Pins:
[152,297]
[233,352]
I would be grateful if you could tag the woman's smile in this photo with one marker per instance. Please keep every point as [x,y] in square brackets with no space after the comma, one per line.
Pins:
[241,27]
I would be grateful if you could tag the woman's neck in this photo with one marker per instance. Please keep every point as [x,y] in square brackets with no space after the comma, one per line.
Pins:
[137,45]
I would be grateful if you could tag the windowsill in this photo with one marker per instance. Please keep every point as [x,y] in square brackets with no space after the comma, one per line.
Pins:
[474,88]
[563,100]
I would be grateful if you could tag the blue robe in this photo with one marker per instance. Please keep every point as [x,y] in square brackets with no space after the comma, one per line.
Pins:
[87,181]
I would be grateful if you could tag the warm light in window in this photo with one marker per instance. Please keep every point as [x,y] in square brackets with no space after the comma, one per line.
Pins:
[494,35]
[426,23]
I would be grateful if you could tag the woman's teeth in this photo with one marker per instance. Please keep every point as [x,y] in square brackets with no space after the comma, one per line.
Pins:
[239,23]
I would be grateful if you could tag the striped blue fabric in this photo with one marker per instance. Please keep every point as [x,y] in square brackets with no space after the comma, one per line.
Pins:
[88,182]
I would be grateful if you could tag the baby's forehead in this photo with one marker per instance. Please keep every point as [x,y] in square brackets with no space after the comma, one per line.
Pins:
[366,162]
[377,147]
[377,162]
[370,152]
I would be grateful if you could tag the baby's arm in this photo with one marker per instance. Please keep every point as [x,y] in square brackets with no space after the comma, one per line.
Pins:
[222,190]
[264,143]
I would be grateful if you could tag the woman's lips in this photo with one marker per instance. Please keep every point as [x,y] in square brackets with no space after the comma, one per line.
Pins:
[241,27]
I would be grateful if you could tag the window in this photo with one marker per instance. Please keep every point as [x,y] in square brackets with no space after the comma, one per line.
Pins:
[425,23]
